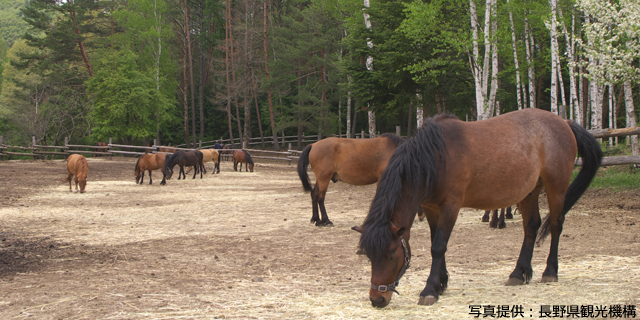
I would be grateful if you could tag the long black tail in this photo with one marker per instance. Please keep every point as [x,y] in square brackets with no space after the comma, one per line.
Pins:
[303,163]
[589,150]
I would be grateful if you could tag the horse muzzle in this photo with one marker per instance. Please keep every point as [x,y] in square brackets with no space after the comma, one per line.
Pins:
[380,300]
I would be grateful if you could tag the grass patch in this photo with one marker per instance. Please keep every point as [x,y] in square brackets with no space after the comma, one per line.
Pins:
[615,177]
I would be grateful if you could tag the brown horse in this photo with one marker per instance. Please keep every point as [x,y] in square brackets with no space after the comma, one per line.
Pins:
[149,162]
[166,149]
[485,165]
[497,222]
[240,157]
[77,166]
[207,156]
[354,161]
[102,144]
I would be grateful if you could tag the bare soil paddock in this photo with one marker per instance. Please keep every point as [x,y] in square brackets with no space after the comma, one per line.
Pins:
[239,246]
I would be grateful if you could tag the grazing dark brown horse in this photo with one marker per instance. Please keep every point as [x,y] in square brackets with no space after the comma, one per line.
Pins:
[182,159]
[149,162]
[485,165]
[240,157]
[77,166]
[357,162]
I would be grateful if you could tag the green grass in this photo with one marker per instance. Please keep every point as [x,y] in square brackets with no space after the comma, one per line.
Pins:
[615,177]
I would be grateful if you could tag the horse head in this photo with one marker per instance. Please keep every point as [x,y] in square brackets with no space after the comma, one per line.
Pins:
[250,165]
[387,266]
[137,171]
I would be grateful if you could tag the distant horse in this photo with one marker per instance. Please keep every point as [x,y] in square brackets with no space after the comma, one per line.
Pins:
[77,166]
[495,221]
[166,149]
[242,156]
[182,159]
[207,156]
[149,161]
[102,144]
[354,161]
[450,164]
[211,155]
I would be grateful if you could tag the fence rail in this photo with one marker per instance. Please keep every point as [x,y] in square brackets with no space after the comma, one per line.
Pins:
[38,151]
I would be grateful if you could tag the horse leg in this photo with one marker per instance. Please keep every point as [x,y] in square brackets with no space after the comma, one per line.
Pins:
[315,218]
[432,218]
[556,220]
[196,168]
[181,173]
[494,219]
[150,180]
[440,239]
[323,185]
[235,166]
[421,214]
[485,218]
[76,181]
[530,222]
[509,214]
[501,223]
[70,177]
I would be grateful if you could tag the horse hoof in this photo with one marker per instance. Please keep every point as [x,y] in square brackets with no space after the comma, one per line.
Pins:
[427,301]
[75,191]
[514,282]
[546,279]
[502,226]
[328,224]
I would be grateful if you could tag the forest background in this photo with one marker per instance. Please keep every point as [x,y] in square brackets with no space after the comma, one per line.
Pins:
[181,71]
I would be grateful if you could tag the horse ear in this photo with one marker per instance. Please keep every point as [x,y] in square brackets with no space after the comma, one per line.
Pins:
[397,231]
[357,228]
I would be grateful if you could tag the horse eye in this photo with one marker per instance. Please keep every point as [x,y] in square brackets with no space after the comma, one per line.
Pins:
[393,256]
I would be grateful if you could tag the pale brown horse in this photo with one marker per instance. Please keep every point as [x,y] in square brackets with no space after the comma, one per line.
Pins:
[354,161]
[77,166]
[149,162]
[487,164]
[211,155]
[240,157]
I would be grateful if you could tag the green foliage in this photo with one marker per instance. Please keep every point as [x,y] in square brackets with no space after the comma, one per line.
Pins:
[12,25]
[127,104]
[616,177]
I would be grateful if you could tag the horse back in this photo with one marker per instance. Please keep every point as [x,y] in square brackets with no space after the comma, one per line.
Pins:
[77,165]
[504,158]
[355,161]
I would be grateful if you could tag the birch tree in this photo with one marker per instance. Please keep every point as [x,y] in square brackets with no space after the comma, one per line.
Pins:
[369,63]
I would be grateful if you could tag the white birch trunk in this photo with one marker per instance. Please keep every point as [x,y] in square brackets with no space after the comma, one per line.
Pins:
[473,60]
[574,104]
[612,112]
[494,59]
[596,93]
[554,58]
[419,112]
[531,73]
[631,116]
[562,108]
[485,64]
[349,108]
[369,63]
[515,60]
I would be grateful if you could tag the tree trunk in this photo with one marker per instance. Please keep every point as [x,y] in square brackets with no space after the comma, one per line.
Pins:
[574,104]
[247,96]
[515,60]
[233,77]
[531,73]
[83,52]
[226,61]
[554,59]
[473,60]
[371,114]
[494,59]
[274,133]
[631,116]
[190,57]
[201,84]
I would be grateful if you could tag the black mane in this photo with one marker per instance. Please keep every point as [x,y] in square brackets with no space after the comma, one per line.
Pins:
[410,176]
[395,139]
[248,157]
[136,168]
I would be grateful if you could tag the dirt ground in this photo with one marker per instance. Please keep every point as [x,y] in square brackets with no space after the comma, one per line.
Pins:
[240,246]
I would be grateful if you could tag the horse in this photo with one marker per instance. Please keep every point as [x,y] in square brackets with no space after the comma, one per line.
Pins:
[209,155]
[242,156]
[489,164]
[182,158]
[149,161]
[102,144]
[77,166]
[495,221]
[354,161]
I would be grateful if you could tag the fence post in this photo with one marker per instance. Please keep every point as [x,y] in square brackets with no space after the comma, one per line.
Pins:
[362,134]
[398,130]
[155,142]
[199,144]
[110,140]
[289,148]
[33,141]
[66,150]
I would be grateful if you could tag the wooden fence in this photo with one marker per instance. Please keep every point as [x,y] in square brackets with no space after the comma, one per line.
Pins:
[38,151]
